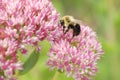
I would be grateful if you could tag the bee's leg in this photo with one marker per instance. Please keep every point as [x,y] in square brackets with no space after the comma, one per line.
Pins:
[63,29]
[73,35]
[67,30]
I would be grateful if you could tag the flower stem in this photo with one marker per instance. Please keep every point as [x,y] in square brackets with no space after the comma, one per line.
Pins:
[55,75]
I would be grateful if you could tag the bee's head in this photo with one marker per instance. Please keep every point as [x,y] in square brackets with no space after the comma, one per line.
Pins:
[62,22]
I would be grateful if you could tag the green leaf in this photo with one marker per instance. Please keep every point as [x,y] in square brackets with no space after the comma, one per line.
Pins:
[30,62]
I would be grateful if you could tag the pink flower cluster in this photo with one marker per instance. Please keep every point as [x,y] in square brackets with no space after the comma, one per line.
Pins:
[26,22]
[22,22]
[77,56]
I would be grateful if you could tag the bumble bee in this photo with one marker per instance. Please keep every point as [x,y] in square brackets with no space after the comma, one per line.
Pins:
[68,22]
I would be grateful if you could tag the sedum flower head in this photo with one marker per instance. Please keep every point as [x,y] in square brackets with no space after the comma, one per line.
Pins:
[28,21]
[77,56]
[22,22]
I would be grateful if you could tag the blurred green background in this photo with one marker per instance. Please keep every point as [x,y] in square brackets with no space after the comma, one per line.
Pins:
[104,17]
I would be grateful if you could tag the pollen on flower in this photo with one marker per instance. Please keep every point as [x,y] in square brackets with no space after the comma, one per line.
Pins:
[74,44]
[77,56]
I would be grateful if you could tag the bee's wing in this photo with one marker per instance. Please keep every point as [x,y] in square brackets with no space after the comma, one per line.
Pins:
[80,22]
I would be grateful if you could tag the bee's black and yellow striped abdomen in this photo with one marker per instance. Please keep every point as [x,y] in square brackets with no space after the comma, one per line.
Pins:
[76,29]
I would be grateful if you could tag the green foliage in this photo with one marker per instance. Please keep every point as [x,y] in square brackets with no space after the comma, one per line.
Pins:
[30,63]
